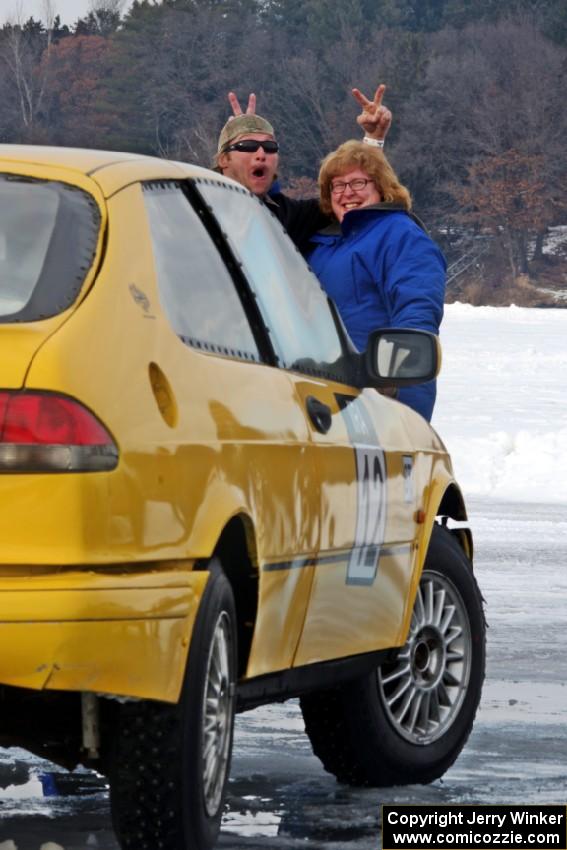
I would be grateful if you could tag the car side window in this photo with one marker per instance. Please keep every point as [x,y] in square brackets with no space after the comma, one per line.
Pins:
[48,241]
[196,290]
[295,308]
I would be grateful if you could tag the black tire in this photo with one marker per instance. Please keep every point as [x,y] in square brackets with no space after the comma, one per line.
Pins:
[360,731]
[171,763]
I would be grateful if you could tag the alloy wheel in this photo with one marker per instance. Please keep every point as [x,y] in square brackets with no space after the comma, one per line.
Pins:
[217,714]
[423,690]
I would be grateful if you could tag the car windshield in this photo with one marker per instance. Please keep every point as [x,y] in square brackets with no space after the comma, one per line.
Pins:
[48,238]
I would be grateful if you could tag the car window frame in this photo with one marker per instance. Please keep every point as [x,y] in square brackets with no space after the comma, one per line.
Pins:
[345,371]
[259,331]
[62,276]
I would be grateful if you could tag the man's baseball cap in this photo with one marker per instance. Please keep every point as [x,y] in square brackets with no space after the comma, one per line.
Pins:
[240,125]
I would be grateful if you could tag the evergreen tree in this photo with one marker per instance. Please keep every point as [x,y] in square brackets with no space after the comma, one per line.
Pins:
[99,21]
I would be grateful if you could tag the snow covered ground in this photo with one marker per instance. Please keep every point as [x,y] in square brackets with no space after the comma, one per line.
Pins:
[502,401]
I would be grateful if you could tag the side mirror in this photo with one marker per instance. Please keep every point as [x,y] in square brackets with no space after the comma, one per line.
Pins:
[400,357]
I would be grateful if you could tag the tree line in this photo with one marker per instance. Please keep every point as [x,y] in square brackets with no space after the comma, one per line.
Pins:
[476,89]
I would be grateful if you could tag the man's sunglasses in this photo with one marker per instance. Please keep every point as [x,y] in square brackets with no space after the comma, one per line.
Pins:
[252,145]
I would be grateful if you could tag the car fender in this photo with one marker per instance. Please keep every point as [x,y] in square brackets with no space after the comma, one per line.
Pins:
[444,499]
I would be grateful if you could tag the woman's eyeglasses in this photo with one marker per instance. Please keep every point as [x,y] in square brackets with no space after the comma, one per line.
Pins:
[339,186]
[252,145]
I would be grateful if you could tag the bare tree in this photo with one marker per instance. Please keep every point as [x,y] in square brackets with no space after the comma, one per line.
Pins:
[25,53]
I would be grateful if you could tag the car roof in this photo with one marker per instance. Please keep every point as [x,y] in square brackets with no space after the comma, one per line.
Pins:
[112,170]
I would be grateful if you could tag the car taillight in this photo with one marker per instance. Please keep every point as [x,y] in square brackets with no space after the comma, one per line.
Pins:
[46,432]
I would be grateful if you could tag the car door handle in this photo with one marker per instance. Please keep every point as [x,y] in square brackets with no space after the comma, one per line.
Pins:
[319,413]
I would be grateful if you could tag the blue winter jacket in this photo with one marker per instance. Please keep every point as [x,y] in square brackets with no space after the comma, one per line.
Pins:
[382,270]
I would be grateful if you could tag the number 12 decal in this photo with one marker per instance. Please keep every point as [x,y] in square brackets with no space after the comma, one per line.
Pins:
[371,483]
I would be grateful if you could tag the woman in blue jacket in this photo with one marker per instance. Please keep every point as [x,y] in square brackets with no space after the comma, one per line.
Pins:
[376,261]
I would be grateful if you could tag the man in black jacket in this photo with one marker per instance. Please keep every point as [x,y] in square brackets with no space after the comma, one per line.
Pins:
[249,153]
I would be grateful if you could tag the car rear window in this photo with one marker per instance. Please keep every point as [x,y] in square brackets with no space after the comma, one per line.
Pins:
[48,238]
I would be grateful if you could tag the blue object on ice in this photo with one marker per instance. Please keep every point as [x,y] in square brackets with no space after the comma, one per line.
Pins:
[48,784]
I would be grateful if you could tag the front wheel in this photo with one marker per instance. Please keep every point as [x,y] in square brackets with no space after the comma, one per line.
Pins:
[408,721]
[171,762]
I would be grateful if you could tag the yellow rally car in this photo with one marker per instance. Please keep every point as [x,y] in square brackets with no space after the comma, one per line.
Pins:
[206,504]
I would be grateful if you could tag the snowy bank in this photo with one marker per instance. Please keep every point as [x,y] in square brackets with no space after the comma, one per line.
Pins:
[502,401]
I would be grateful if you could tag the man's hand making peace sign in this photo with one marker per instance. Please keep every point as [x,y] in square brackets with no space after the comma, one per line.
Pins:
[236,107]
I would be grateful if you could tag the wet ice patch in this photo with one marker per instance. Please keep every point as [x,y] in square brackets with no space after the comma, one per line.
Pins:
[516,702]
[31,789]
[252,824]
[269,724]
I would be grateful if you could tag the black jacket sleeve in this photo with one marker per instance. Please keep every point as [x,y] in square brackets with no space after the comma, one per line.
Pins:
[300,218]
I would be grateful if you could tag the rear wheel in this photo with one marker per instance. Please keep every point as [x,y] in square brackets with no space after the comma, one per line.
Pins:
[408,721]
[171,762]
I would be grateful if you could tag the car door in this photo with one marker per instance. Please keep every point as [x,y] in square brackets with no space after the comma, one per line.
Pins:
[365,552]
[359,593]
[250,443]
